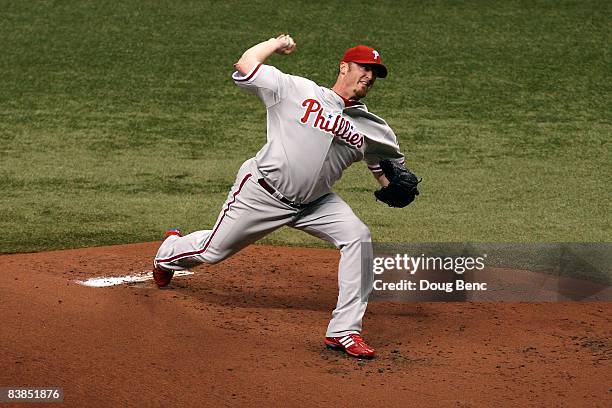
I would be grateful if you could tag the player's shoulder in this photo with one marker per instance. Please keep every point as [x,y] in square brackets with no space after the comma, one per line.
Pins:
[361,111]
[291,77]
[302,80]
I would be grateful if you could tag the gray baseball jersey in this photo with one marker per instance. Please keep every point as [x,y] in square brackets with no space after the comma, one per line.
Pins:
[313,135]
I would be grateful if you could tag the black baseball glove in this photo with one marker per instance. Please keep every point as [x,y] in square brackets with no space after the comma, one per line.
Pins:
[402,188]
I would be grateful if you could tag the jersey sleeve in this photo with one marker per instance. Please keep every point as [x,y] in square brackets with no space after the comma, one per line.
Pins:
[378,149]
[267,82]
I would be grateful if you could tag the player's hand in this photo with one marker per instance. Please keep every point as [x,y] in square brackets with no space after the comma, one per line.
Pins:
[286,44]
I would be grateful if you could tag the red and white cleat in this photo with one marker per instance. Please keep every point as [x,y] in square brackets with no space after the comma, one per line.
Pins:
[170,232]
[161,276]
[351,344]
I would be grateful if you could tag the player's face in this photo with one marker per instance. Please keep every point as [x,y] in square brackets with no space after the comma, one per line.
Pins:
[360,78]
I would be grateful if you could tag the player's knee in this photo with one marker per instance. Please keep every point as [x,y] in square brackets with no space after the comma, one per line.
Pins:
[360,232]
[212,260]
[212,257]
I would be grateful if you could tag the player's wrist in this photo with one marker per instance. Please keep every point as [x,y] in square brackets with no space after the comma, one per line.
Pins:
[275,43]
[283,44]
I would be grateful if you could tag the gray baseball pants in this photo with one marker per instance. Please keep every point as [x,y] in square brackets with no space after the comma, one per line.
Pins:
[250,212]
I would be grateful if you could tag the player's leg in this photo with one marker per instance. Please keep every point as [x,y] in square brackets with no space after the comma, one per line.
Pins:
[248,214]
[332,220]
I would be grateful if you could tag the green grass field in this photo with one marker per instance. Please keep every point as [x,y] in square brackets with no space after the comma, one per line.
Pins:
[120,120]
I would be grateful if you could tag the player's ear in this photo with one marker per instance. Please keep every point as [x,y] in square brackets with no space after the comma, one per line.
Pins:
[344,66]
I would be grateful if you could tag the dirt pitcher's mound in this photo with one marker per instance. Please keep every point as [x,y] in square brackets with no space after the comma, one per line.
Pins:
[249,331]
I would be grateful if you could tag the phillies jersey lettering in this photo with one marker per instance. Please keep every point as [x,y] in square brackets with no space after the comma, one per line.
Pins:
[341,128]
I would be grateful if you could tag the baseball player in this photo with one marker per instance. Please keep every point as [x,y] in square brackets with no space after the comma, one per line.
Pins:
[313,134]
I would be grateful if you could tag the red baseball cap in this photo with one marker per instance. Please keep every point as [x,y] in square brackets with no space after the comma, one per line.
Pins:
[362,54]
